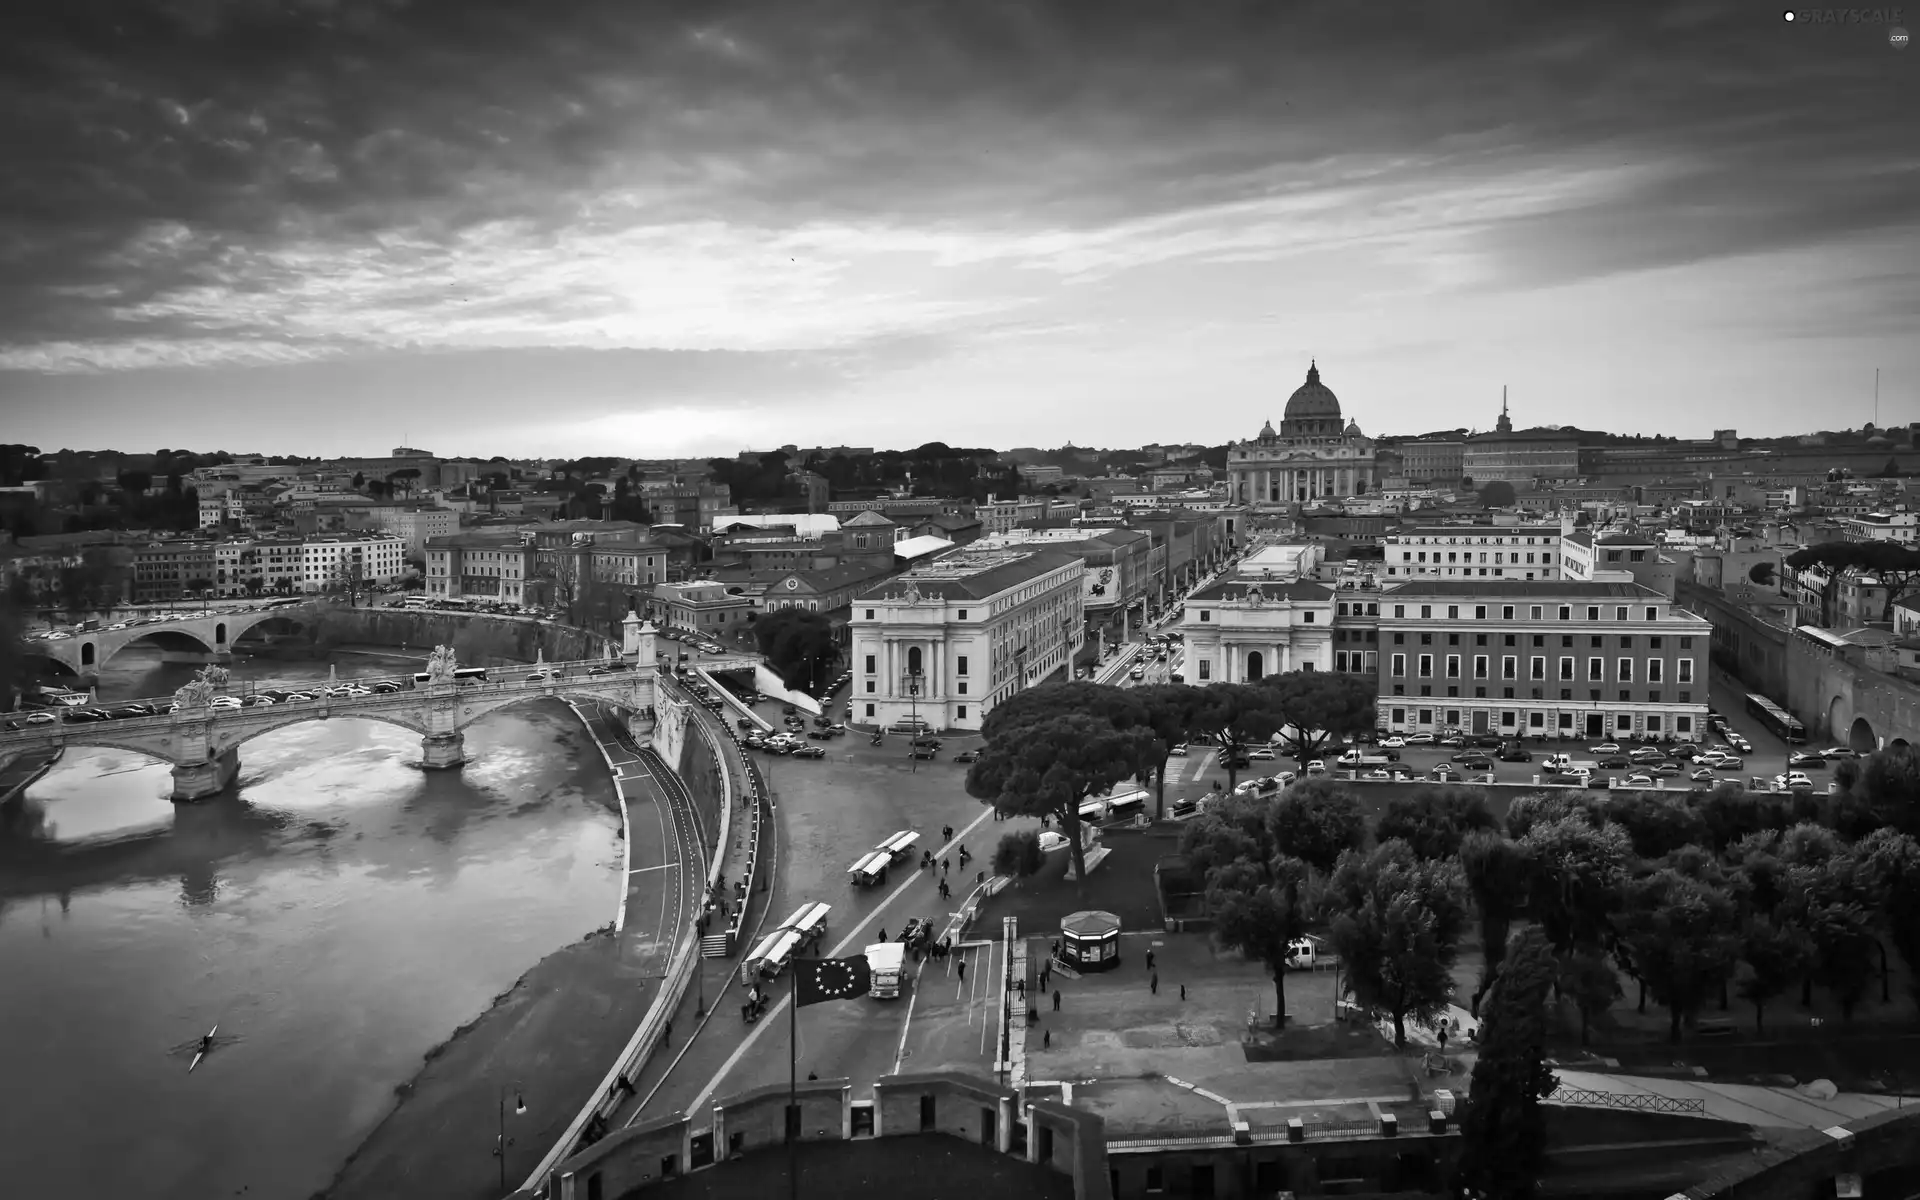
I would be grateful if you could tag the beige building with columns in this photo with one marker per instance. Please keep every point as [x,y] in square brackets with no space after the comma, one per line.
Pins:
[1244,630]
[948,640]
[1312,457]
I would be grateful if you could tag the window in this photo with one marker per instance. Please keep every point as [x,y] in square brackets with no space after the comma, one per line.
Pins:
[1598,642]
[1593,612]
[1686,643]
[1538,668]
[1399,639]
[1426,639]
[1479,639]
[1620,614]
[959,665]
[1623,722]
[961,712]
[869,617]
[1426,666]
[1686,697]
[1566,612]
[1539,640]
[1653,614]
[1683,724]
[1535,610]
[1626,643]
[1626,671]
[1479,666]
[1307,617]
[1206,669]
[1453,639]
[871,687]
[869,664]
[963,687]
[1506,612]
[1399,664]
[869,710]
[1509,667]
[1536,720]
[1596,669]
[1426,610]
[1453,666]
[1399,716]
[1205,615]
[1340,660]
[1686,668]
[1653,670]
[1508,640]
[1566,668]
[1399,610]
[1653,642]
[1426,716]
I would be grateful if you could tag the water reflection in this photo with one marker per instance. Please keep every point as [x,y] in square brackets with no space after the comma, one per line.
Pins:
[338,913]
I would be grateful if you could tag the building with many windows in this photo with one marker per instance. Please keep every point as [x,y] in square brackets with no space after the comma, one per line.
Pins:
[704,606]
[1520,456]
[1520,552]
[1541,659]
[336,560]
[169,569]
[948,640]
[480,565]
[1312,456]
[259,567]
[413,524]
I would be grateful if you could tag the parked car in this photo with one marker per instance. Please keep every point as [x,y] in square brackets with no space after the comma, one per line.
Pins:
[1263,754]
[967,756]
[809,752]
[1419,739]
[1806,759]
[1178,750]
[1796,781]
[1394,742]
[1616,762]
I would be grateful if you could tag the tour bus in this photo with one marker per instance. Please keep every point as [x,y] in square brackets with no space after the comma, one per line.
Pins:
[1119,804]
[461,675]
[1780,723]
[414,602]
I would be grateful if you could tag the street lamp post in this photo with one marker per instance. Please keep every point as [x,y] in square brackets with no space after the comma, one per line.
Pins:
[519,1109]
[913,701]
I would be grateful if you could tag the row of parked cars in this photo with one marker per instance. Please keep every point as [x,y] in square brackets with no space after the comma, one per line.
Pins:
[693,639]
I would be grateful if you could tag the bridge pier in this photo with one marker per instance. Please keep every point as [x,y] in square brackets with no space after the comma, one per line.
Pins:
[443,751]
[197,781]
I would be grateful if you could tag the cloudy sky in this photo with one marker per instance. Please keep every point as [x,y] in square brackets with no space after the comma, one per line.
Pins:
[639,228]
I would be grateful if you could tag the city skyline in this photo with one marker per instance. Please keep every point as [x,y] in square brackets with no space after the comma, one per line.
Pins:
[598,227]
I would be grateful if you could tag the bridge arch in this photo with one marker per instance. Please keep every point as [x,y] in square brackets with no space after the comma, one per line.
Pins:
[1860,736]
[87,654]
[1839,717]
[305,716]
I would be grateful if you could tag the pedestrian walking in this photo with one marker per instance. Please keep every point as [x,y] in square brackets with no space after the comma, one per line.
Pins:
[1441,1034]
[1020,985]
[1046,1039]
[1183,991]
[1149,960]
[946,833]
[883,933]
[945,891]
[1153,983]
[961,965]
[1056,999]
[946,864]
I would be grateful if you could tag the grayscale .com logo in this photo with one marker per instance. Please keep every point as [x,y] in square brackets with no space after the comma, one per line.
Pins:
[1897,38]
[1845,16]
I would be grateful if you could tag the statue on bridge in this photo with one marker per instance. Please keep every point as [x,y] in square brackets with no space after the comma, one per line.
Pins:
[199,691]
[440,667]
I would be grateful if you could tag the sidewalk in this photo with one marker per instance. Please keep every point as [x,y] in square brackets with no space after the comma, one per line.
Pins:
[551,1038]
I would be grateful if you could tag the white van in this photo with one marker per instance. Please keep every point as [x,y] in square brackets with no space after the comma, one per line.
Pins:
[888,963]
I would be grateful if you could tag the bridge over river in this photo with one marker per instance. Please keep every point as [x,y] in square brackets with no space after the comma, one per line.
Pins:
[207,637]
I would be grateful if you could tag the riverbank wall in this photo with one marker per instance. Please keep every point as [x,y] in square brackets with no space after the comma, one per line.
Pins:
[476,641]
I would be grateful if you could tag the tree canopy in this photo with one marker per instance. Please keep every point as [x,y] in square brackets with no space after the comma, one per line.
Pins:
[1396,922]
[1316,708]
[1256,892]
[1502,1130]
[799,645]
[1897,566]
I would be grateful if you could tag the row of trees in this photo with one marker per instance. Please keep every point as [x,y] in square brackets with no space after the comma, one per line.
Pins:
[799,645]
[1052,747]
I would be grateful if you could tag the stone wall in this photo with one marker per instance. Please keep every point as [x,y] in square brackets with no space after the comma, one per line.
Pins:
[480,641]
[1752,650]
[1842,702]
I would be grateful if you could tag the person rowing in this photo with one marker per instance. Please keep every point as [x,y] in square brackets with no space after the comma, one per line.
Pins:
[206,1042]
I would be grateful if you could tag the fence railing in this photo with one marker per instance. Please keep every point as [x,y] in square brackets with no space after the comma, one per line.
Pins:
[1630,1101]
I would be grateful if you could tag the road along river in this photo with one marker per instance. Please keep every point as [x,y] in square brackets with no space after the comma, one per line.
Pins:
[338,915]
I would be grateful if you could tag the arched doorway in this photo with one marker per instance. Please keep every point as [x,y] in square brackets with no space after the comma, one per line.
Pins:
[1860,737]
[220,634]
[1256,666]
[86,654]
[913,660]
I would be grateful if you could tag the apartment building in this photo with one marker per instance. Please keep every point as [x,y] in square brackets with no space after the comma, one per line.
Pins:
[413,524]
[485,565]
[948,640]
[1881,527]
[337,559]
[169,569]
[1523,552]
[259,567]
[704,606]
[1541,659]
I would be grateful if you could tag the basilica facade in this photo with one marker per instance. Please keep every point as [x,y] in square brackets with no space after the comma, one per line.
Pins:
[1313,456]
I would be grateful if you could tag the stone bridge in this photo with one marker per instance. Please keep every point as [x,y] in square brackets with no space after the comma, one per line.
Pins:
[203,744]
[205,638]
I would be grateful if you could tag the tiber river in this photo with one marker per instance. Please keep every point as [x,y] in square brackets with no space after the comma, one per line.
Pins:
[337,915]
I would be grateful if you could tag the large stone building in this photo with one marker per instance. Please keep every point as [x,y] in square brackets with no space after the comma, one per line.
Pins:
[1243,630]
[1520,456]
[1520,552]
[1541,659]
[948,640]
[1312,457]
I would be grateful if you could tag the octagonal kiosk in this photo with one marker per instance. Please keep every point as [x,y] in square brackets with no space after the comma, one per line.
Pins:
[1090,940]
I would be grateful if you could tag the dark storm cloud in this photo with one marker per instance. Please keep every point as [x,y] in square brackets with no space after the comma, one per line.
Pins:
[157,148]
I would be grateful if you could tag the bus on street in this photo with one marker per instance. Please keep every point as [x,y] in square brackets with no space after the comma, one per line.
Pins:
[1778,721]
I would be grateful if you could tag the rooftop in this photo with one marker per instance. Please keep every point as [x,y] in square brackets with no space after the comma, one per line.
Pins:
[975,576]
[1567,588]
[1475,530]
[1274,590]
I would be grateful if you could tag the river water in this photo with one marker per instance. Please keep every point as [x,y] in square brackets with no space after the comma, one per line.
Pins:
[338,914]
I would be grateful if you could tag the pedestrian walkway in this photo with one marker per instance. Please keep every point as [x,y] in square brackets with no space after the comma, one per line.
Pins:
[1746,1104]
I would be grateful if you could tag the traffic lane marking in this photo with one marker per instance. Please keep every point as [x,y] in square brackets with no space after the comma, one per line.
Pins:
[778,1008]
[954,1024]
